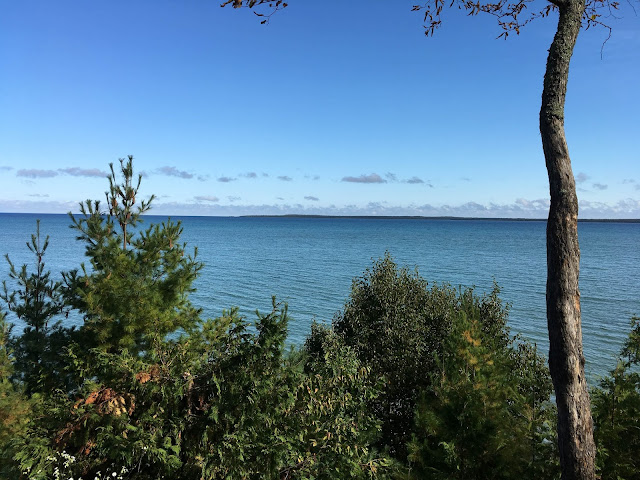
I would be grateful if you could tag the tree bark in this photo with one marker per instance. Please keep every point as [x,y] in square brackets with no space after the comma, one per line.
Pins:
[566,359]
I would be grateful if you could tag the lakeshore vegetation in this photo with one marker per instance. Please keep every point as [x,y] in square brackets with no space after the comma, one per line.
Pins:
[410,381]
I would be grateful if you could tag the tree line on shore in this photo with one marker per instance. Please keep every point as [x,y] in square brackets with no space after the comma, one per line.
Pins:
[410,381]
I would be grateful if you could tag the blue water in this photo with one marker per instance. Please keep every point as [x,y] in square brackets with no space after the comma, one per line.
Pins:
[310,263]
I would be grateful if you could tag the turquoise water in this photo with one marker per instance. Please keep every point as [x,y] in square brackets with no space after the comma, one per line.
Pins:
[310,262]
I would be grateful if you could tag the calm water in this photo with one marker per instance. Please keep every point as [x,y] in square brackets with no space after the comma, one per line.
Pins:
[310,262]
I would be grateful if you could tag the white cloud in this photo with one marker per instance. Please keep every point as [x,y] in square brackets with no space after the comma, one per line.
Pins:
[36,173]
[37,206]
[372,178]
[174,172]
[209,205]
[207,198]
[582,177]
[84,172]
[414,180]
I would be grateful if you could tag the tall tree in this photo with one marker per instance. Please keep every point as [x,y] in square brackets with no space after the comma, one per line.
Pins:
[136,290]
[566,359]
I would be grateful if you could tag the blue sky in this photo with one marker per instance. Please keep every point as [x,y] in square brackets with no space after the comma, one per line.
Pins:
[335,107]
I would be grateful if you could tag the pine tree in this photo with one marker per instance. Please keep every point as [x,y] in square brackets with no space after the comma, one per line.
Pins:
[135,290]
[39,351]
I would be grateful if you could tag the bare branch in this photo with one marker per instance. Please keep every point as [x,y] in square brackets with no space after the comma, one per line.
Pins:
[270,7]
[511,17]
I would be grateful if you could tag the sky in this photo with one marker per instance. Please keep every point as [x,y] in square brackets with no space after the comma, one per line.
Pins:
[334,107]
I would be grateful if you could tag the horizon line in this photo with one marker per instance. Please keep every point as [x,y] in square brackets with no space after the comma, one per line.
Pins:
[372,217]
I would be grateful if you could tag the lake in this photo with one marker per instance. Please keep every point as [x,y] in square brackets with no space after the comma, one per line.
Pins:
[310,263]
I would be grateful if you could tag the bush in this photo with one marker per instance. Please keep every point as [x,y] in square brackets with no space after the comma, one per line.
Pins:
[616,414]
[486,414]
[159,393]
[39,353]
[224,402]
[455,385]
[14,406]
[397,326]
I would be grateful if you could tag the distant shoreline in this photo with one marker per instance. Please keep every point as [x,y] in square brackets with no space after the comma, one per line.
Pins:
[365,217]
[418,217]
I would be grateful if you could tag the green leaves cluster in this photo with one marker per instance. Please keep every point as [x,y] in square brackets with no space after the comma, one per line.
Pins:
[486,414]
[14,407]
[460,397]
[616,413]
[220,403]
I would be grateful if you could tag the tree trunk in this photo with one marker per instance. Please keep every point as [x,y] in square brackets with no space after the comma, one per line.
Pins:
[566,360]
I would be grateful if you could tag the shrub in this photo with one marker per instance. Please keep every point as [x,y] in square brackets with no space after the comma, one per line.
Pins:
[616,413]
[223,402]
[159,393]
[397,326]
[486,414]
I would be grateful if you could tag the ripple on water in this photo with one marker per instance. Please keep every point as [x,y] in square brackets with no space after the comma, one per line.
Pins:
[310,263]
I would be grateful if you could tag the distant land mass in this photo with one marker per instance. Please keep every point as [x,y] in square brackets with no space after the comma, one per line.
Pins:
[418,217]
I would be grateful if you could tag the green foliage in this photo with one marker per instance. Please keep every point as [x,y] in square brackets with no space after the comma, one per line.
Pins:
[145,389]
[486,414]
[161,394]
[136,291]
[219,403]
[270,420]
[14,406]
[460,397]
[6,364]
[397,326]
[38,299]
[39,352]
[616,413]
